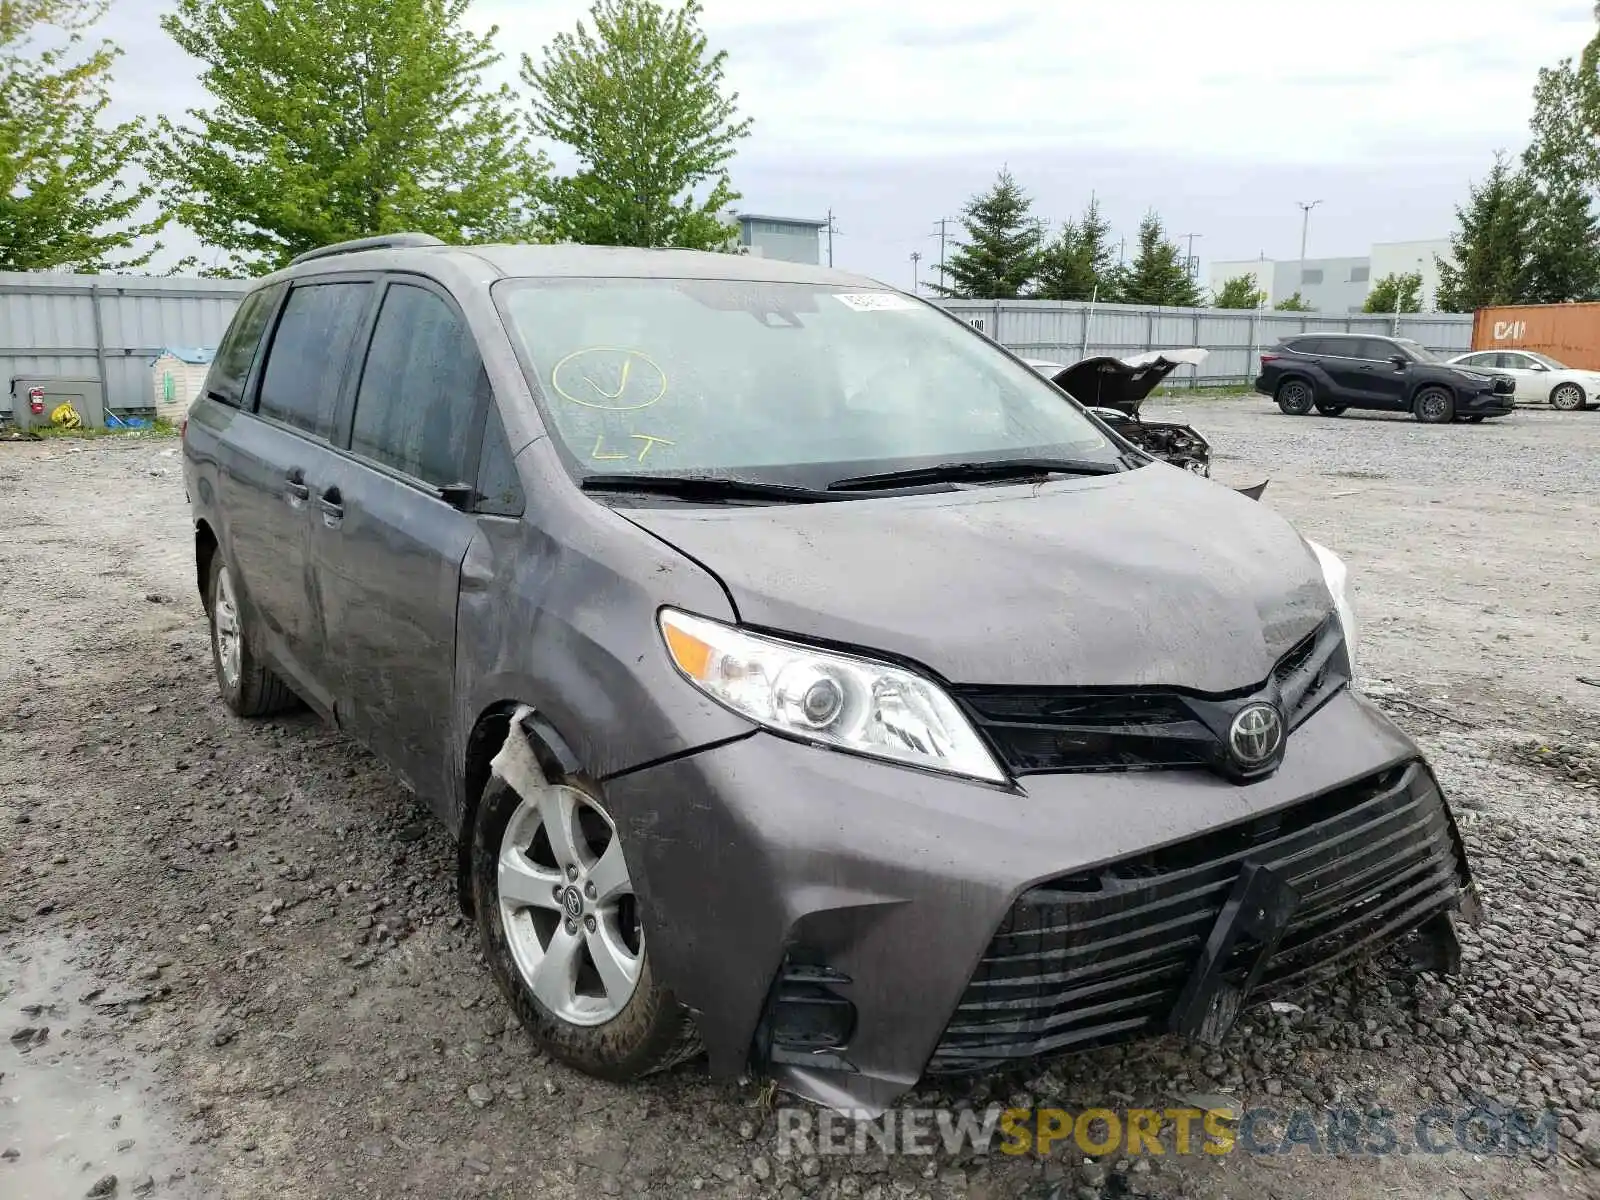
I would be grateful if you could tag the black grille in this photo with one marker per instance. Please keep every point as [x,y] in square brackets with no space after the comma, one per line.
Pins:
[1102,956]
[1037,731]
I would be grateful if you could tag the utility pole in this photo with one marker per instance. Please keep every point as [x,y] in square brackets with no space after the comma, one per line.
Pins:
[1305,228]
[832,229]
[1190,263]
[916,257]
[943,235]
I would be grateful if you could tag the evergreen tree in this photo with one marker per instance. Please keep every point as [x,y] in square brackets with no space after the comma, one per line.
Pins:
[1239,292]
[1403,290]
[1158,274]
[1002,250]
[65,200]
[1078,264]
[642,101]
[336,119]
[1490,249]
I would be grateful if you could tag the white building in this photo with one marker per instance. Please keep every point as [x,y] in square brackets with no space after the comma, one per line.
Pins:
[1338,285]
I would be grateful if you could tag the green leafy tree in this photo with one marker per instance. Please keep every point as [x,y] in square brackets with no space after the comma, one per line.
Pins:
[1239,292]
[65,201]
[1295,303]
[1490,249]
[1159,274]
[1078,263]
[1396,292]
[1562,166]
[1003,246]
[337,119]
[642,102]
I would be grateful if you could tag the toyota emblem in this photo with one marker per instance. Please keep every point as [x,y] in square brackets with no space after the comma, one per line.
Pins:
[1256,734]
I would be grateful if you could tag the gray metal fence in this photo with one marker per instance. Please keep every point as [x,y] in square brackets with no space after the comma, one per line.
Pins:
[1065,331]
[106,327]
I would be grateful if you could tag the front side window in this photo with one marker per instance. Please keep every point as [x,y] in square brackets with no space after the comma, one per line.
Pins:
[499,489]
[420,389]
[794,382]
[237,353]
[310,351]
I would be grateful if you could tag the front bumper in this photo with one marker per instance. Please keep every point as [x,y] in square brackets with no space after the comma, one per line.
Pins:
[1487,403]
[969,926]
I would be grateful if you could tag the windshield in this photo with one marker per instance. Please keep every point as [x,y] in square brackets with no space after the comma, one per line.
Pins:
[782,382]
[1418,351]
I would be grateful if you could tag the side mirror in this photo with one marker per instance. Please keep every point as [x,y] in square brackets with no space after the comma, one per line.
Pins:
[1400,361]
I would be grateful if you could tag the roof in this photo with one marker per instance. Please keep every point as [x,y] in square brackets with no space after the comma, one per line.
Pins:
[628,262]
[197,356]
[806,221]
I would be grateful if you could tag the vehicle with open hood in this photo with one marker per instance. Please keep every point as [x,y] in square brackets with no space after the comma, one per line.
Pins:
[804,679]
[1114,390]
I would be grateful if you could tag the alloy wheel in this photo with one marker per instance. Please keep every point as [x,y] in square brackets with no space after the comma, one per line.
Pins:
[568,907]
[1432,406]
[225,614]
[1568,398]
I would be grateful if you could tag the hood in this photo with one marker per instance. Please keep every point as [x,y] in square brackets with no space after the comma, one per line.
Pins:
[1151,577]
[1123,383]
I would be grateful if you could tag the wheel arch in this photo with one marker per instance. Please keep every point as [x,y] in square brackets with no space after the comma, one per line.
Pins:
[1295,375]
[205,550]
[489,732]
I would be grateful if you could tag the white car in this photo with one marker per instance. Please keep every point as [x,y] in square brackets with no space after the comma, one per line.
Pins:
[1538,376]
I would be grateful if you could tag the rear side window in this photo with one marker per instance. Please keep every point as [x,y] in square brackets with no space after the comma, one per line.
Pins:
[1311,346]
[305,368]
[237,353]
[420,389]
[499,490]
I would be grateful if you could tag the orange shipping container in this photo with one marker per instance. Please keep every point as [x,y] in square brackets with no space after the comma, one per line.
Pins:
[1568,333]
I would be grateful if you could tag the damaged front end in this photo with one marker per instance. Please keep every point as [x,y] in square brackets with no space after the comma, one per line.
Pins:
[1114,389]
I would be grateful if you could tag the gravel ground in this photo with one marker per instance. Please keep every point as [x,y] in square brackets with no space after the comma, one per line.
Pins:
[231,963]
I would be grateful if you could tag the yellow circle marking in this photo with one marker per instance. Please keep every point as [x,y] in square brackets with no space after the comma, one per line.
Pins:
[628,365]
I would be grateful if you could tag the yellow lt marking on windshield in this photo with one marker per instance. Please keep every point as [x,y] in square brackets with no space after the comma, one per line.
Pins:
[599,457]
[649,443]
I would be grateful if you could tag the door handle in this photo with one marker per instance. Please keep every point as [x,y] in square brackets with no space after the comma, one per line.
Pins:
[295,489]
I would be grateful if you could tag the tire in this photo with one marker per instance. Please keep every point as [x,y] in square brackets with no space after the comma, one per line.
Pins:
[1331,410]
[248,687]
[1568,397]
[1295,397]
[648,1031]
[1434,406]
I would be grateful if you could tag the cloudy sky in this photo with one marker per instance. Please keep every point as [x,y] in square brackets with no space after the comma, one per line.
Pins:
[1220,114]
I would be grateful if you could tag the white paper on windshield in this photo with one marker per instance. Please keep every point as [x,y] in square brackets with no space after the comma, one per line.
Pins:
[875,301]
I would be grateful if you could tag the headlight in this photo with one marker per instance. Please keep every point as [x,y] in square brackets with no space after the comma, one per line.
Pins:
[1338,581]
[834,700]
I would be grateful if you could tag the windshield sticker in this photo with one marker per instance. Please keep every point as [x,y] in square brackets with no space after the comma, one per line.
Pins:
[609,378]
[876,301]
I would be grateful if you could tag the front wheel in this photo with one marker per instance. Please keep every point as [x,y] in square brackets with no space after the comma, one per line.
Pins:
[1568,397]
[559,923]
[1435,406]
[1295,397]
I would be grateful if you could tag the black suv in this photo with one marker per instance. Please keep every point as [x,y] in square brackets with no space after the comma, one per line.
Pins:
[1335,371]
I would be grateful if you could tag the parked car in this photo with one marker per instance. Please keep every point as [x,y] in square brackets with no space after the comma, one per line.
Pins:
[1332,372]
[1538,377]
[1114,389]
[802,676]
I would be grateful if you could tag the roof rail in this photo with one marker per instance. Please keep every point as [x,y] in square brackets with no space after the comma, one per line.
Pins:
[385,241]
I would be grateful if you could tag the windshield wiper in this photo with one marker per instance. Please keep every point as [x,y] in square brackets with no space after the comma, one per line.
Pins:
[703,487]
[956,472]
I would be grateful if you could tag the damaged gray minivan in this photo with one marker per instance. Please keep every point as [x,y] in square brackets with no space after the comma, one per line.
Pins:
[803,677]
